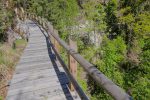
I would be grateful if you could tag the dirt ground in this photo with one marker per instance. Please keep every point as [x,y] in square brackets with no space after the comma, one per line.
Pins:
[4,85]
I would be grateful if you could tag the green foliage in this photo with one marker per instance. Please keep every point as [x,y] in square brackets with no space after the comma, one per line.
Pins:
[145,58]
[111,53]
[95,13]
[61,13]
[124,56]
[6,19]
[82,81]
[20,42]
[7,54]
[1,98]
[141,27]
[111,19]
[8,59]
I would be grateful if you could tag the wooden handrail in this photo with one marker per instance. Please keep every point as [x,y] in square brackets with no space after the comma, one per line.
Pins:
[111,88]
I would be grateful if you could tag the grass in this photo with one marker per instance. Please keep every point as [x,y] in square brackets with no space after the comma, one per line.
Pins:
[20,42]
[8,59]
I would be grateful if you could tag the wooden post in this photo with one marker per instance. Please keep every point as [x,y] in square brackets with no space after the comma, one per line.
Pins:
[40,20]
[72,63]
[37,18]
[17,13]
[43,23]
[25,15]
[56,44]
[52,38]
[22,13]
[29,15]
[33,17]
[51,30]
[46,25]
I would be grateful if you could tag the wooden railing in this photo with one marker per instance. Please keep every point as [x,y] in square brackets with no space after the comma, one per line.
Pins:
[111,88]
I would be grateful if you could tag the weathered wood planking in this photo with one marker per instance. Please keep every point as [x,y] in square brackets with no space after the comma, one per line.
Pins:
[38,76]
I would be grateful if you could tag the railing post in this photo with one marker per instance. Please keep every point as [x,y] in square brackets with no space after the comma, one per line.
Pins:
[21,13]
[33,17]
[51,30]
[72,63]
[56,44]
[43,24]
[46,25]
[25,15]
[36,18]
[52,38]
[39,19]
[29,15]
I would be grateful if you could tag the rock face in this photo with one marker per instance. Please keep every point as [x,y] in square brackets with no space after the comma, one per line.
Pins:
[21,31]
[12,36]
[87,33]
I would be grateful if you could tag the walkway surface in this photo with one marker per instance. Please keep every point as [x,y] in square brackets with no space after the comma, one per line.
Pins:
[39,75]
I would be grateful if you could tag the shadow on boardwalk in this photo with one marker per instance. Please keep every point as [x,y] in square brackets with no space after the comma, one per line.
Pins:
[61,75]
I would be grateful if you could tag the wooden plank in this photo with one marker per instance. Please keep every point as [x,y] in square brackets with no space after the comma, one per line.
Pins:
[45,93]
[33,56]
[40,82]
[56,44]
[34,88]
[37,67]
[33,64]
[34,77]
[34,59]
[36,42]
[35,49]
[36,45]
[34,72]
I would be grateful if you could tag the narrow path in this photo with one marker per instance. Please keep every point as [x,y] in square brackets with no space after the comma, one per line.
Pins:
[39,75]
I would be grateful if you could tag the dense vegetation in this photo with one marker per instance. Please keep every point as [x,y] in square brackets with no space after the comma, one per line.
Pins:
[6,19]
[9,55]
[122,28]
[8,59]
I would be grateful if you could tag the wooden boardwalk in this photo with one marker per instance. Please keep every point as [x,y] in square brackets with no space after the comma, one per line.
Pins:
[39,75]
